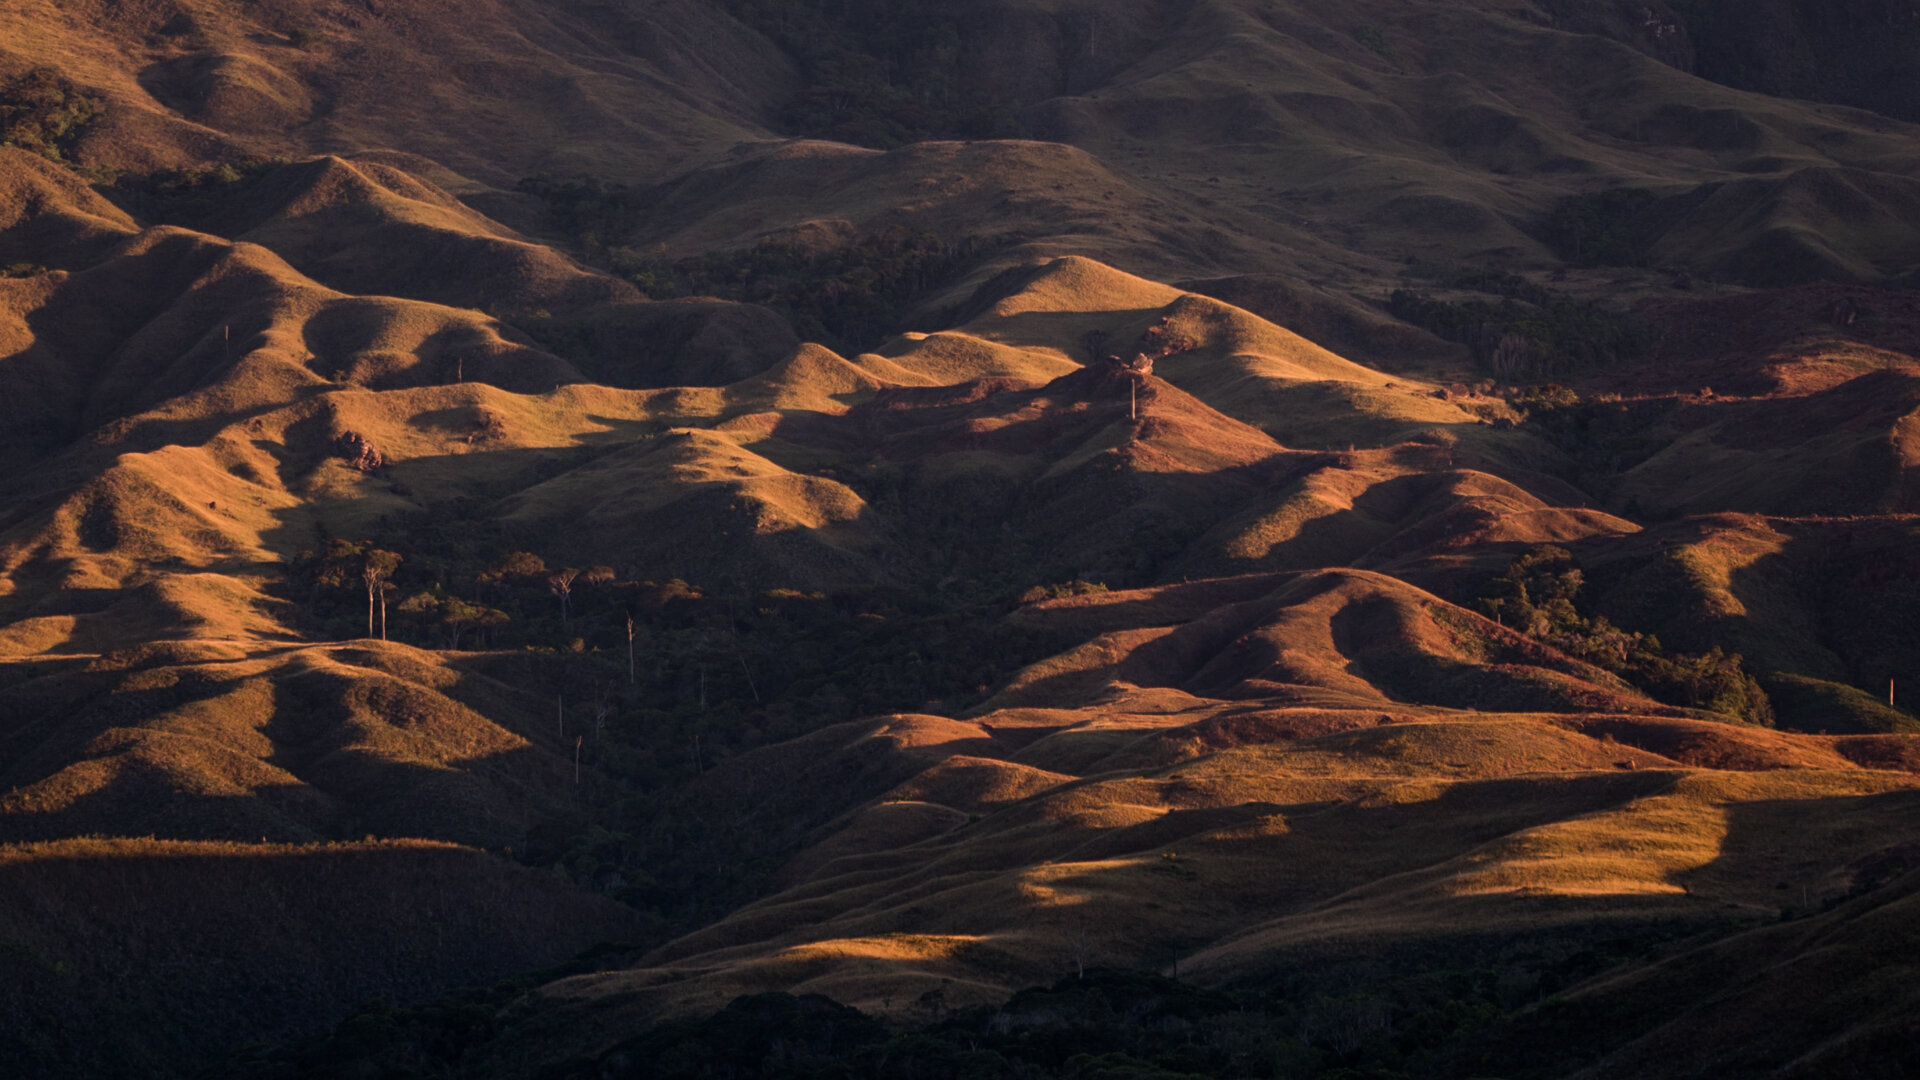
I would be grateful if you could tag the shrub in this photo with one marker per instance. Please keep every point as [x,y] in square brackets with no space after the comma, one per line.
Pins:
[44,113]
[190,197]
[1370,37]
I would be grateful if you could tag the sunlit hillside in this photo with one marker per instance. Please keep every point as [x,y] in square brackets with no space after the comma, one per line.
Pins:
[1223,538]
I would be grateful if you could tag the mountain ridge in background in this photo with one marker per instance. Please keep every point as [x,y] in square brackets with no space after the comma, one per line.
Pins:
[1403,515]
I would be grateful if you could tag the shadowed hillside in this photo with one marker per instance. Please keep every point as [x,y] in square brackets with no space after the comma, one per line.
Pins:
[1116,540]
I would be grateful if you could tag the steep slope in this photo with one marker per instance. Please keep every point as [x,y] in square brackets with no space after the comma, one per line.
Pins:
[1440,130]
[1068,619]
[496,91]
[1142,830]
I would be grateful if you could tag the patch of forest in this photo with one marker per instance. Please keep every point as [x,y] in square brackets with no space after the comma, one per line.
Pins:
[1526,330]
[44,113]
[1537,596]
[849,297]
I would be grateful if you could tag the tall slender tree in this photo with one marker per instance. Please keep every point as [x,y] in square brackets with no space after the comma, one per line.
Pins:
[376,568]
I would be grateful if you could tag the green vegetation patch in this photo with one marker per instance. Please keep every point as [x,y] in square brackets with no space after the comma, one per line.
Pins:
[1371,37]
[1536,597]
[849,297]
[1529,331]
[193,198]
[46,114]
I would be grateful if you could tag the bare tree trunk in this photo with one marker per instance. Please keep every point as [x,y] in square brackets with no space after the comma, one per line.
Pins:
[383,613]
[742,657]
[629,650]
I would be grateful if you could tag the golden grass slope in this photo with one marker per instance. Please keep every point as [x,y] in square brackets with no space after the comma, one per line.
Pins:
[1312,758]
[1838,450]
[216,404]
[1241,858]
[295,744]
[49,217]
[364,227]
[1229,137]
[496,90]
[1315,759]
[1333,767]
[756,517]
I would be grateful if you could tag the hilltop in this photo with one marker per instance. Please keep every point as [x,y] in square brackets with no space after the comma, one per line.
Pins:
[1395,521]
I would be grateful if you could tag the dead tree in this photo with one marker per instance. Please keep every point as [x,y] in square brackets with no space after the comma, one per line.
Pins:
[561,585]
[602,708]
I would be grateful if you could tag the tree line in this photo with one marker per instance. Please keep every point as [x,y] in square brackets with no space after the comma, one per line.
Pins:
[1527,330]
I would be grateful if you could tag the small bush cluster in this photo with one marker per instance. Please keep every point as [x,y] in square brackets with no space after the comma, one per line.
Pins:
[190,197]
[1055,592]
[46,114]
[1371,37]
[1536,597]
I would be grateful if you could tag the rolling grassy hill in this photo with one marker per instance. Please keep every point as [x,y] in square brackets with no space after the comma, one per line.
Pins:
[914,507]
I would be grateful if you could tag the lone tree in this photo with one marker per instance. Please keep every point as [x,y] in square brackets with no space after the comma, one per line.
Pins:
[562,586]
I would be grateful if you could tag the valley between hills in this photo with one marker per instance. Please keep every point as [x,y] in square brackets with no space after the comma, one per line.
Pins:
[660,538]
